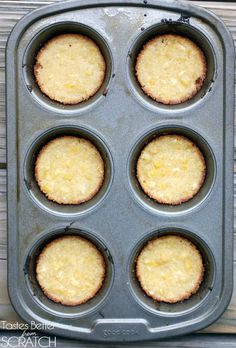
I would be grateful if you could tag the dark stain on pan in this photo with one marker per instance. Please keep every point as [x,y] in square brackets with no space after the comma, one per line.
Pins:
[101,314]
[28,184]
[68,227]
[105,92]
[183,18]
[30,88]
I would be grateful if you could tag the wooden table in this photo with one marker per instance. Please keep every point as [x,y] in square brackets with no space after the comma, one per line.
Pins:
[10,13]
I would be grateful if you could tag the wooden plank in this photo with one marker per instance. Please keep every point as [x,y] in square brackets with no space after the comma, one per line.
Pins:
[3,217]
[4,299]
[190,341]
[7,312]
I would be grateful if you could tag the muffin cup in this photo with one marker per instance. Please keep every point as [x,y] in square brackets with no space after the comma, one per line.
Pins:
[177,28]
[182,307]
[35,290]
[32,187]
[201,196]
[29,60]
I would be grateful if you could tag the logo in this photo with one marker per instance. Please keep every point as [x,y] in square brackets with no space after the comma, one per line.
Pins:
[28,337]
[119,332]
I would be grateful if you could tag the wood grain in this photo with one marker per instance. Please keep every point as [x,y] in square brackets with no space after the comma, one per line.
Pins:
[190,341]
[10,13]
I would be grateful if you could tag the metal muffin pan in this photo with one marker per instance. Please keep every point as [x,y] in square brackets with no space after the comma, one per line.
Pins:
[120,119]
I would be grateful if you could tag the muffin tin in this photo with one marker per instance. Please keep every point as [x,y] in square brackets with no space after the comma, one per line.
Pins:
[120,119]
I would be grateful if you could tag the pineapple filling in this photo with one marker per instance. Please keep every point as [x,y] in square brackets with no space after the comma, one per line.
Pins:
[70,68]
[69,170]
[171,68]
[170,268]
[171,169]
[70,270]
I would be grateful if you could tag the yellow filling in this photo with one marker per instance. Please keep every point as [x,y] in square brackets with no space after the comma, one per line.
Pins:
[170,268]
[170,68]
[69,170]
[171,169]
[70,270]
[71,68]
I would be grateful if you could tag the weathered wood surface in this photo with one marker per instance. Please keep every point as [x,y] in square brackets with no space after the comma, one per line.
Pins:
[10,13]
[191,341]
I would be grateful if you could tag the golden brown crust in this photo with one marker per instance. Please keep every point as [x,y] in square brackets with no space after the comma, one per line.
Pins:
[198,82]
[188,197]
[186,295]
[62,201]
[55,299]
[38,66]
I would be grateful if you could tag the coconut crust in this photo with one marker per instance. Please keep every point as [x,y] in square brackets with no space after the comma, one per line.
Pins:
[52,297]
[49,90]
[62,200]
[154,92]
[183,199]
[186,294]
